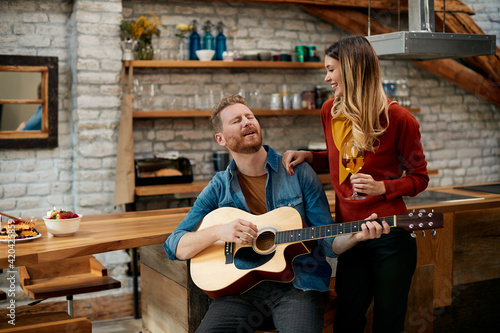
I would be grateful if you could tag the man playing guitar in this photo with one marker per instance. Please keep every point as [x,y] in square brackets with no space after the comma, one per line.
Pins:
[257,183]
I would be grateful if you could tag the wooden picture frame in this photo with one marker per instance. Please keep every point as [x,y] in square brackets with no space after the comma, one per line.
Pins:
[47,136]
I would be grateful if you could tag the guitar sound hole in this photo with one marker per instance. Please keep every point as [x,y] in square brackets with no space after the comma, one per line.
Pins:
[247,258]
[265,241]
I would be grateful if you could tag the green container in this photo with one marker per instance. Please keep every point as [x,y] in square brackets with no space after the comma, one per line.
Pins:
[300,50]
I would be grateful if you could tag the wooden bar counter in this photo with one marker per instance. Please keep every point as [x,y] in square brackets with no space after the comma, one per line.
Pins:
[171,303]
[97,234]
[464,251]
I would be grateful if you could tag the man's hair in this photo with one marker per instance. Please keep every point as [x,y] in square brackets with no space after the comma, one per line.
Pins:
[224,103]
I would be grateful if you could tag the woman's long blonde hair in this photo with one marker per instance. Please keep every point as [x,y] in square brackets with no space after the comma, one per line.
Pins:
[363,99]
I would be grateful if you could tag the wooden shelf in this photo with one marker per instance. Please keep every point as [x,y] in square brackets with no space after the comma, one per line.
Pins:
[199,185]
[195,186]
[222,64]
[206,113]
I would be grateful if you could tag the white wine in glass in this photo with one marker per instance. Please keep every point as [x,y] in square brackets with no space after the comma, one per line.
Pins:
[353,161]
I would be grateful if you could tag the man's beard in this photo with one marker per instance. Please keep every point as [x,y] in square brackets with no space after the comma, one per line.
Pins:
[239,145]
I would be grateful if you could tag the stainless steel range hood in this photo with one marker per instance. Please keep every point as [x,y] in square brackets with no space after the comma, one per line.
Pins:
[423,43]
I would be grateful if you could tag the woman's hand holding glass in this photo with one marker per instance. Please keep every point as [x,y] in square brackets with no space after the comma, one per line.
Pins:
[364,183]
[353,161]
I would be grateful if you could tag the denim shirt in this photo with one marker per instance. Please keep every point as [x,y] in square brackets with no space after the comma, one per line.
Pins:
[302,191]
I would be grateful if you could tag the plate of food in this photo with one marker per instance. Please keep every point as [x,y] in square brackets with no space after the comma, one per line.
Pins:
[23,228]
[20,240]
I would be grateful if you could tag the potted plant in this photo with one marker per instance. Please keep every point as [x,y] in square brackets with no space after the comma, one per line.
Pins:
[142,31]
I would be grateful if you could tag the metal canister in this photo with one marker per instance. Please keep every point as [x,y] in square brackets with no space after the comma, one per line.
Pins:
[300,50]
[389,88]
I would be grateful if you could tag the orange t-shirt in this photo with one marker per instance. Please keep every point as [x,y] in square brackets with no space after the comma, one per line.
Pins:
[254,190]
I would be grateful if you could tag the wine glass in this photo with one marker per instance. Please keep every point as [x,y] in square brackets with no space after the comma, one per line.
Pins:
[352,160]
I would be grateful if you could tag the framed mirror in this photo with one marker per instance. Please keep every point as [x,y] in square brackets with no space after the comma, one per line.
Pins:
[28,101]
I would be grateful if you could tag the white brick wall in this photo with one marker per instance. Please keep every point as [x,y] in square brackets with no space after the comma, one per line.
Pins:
[84,35]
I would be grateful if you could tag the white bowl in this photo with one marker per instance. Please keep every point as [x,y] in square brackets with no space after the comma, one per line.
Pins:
[205,55]
[63,227]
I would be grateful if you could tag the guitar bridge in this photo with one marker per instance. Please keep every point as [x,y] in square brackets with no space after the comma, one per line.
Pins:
[229,252]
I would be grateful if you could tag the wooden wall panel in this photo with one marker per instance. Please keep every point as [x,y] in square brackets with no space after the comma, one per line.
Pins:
[477,246]
[419,315]
[166,308]
[156,258]
[438,251]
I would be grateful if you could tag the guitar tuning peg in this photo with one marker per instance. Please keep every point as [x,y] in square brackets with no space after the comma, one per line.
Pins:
[433,232]
[413,234]
[423,233]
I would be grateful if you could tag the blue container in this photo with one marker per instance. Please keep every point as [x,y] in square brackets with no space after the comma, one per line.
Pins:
[208,38]
[220,42]
[194,41]
[194,45]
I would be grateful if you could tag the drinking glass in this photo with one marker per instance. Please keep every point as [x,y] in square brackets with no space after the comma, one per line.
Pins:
[137,90]
[353,161]
[149,93]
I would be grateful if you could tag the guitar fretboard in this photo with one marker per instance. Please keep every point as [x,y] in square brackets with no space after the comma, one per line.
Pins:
[325,231]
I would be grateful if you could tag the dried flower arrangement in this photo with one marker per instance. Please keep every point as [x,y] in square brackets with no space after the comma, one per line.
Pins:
[142,30]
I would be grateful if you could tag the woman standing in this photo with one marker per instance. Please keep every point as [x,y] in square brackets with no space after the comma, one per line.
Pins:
[394,166]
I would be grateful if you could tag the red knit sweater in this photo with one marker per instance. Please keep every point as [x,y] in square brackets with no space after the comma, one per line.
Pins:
[399,150]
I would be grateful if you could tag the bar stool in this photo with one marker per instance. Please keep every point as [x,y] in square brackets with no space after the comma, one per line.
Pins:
[47,322]
[65,277]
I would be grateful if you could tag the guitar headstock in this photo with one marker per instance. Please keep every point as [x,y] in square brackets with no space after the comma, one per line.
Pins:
[420,220]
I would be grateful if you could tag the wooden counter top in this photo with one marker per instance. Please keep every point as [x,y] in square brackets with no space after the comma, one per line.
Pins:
[478,200]
[117,231]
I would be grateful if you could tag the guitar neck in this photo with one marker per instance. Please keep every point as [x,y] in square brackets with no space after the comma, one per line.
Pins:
[326,231]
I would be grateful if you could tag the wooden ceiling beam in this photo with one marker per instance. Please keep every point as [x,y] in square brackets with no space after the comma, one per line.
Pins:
[375,4]
[463,23]
[391,5]
[450,70]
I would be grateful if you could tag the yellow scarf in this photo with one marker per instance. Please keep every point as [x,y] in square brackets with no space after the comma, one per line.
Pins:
[341,132]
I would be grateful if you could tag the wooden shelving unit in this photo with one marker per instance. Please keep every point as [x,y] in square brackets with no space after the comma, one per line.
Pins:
[206,113]
[130,65]
[197,186]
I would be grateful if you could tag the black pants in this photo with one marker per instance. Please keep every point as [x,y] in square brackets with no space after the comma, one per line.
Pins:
[381,270]
[290,310]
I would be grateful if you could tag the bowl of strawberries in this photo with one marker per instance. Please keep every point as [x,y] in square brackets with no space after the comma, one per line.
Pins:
[62,222]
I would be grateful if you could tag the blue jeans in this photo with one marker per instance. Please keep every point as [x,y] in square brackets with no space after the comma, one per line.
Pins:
[268,304]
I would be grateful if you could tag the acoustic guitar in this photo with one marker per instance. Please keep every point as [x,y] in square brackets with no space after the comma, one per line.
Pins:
[226,268]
